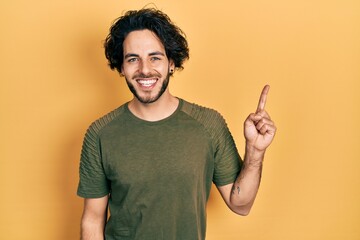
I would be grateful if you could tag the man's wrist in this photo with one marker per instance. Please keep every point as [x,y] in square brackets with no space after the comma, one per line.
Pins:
[253,156]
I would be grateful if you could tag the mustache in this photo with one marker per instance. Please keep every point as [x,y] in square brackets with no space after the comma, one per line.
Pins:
[150,75]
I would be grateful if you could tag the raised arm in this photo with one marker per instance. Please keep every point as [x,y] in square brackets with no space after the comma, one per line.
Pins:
[259,131]
[94,218]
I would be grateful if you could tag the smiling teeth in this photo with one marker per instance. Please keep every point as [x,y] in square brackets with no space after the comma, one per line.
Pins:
[147,83]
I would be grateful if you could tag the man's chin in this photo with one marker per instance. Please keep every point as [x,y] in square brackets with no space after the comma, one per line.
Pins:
[147,100]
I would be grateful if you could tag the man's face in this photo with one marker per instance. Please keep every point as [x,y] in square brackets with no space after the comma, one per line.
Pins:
[146,67]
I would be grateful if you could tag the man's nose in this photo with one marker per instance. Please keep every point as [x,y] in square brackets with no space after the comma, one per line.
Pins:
[145,67]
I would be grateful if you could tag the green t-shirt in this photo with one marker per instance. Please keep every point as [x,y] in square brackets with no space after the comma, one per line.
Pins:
[158,174]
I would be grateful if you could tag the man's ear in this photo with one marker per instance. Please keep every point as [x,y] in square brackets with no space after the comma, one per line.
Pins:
[121,71]
[171,66]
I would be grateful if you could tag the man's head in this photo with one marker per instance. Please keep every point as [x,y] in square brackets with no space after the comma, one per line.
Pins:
[172,37]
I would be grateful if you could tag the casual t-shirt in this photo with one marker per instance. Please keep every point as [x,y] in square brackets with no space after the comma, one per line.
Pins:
[158,174]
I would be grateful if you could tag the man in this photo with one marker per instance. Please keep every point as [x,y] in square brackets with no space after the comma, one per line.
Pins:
[152,161]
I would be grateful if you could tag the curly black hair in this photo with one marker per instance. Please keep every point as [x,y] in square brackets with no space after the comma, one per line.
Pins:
[171,36]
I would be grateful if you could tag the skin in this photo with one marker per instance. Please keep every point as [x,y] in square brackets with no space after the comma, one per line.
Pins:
[145,59]
[259,131]
[94,218]
[146,69]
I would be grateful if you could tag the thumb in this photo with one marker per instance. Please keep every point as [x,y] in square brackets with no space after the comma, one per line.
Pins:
[252,119]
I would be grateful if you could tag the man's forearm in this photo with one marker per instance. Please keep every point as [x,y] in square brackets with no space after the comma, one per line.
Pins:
[247,183]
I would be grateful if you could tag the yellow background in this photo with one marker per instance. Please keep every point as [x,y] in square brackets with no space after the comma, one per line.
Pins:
[55,82]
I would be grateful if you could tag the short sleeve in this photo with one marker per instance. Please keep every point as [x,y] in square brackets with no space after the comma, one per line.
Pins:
[227,160]
[93,182]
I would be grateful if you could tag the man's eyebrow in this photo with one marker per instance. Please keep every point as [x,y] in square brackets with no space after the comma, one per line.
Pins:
[137,55]
[156,53]
[131,55]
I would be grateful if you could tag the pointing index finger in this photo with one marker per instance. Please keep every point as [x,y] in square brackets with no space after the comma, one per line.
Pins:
[262,100]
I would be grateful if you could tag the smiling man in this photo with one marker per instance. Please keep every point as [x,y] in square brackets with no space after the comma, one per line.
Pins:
[152,161]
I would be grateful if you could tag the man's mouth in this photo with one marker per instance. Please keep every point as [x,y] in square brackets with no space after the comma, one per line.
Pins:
[146,82]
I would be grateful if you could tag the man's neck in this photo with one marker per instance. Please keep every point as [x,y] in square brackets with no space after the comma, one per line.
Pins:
[156,111]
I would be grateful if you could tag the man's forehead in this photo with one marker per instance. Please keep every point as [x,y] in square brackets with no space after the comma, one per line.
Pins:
[143,41]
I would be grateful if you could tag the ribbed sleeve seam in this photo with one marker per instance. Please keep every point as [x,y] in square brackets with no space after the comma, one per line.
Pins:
[91,164]
[210,120]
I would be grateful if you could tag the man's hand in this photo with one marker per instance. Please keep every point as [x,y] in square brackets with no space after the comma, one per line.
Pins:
[259,130]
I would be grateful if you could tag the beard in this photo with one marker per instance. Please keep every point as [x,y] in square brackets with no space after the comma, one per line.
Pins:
[147,100]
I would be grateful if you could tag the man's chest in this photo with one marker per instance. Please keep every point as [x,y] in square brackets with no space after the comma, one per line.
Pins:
[149,154]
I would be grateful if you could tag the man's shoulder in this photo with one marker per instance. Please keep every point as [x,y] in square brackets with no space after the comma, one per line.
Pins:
[99,124]
[202,114]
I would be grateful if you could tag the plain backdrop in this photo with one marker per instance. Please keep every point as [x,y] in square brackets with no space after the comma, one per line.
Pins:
[55,82]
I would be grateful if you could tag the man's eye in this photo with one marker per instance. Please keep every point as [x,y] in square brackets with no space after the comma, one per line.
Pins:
[132,59]
[155,59]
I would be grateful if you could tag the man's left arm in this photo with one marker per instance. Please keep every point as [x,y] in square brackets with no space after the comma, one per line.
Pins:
[259,131]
